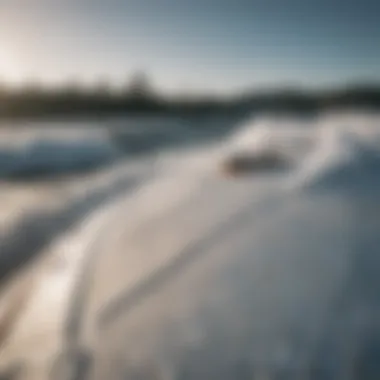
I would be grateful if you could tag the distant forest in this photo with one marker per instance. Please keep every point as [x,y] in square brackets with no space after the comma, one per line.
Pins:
[31,101]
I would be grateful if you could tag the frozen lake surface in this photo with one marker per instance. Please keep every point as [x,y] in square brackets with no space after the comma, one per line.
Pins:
[159,265]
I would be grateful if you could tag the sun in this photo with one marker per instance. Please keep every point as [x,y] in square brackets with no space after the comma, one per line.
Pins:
[9,67]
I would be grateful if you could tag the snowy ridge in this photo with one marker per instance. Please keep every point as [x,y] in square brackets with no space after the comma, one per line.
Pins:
[201,276]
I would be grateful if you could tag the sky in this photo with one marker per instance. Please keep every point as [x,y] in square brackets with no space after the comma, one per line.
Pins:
[191,45]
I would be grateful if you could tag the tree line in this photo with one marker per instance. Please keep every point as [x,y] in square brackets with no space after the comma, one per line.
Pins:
[139,98]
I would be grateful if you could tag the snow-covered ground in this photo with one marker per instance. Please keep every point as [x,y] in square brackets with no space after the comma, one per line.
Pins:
[164,267]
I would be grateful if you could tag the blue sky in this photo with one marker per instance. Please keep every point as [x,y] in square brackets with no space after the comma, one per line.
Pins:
[192,45]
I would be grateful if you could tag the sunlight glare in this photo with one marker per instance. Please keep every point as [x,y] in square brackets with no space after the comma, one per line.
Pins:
[9,69]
